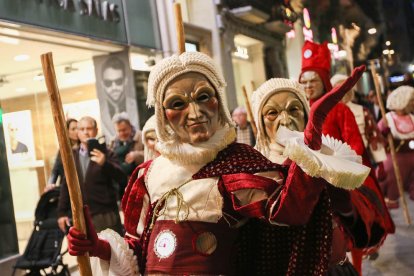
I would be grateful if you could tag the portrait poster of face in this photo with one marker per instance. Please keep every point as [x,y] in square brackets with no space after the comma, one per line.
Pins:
[18,134]
[116,90]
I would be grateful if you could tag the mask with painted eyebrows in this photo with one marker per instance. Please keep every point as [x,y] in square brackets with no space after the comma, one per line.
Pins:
[192,108]
[282,108]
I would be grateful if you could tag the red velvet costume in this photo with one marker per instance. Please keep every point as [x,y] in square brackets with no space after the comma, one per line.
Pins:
[373,221]
[235,166]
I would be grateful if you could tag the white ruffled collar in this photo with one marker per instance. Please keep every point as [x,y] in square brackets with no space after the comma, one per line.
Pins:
[275,153]
[202,153]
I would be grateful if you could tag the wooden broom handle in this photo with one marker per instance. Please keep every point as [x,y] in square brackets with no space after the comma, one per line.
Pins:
[66,154]
[249,111]
[179,26]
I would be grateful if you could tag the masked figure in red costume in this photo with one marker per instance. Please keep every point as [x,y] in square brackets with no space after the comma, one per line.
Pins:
[401,124]
[281,112]
[183,210]
[340,124]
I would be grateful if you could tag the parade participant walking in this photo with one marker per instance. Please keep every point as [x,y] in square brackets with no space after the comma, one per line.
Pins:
[340,124]
[96,172]
[281,112]
[183,209]
[401,124]
[372,138]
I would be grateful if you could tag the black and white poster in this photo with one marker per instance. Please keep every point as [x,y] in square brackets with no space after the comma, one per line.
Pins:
[116,90]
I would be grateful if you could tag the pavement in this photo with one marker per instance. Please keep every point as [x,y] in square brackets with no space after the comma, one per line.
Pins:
[396,256]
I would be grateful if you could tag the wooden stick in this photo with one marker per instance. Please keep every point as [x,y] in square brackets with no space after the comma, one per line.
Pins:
[179,28]
[67,156]
[249,111]
[392,146]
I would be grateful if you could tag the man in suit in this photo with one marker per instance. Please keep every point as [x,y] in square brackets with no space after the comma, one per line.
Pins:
[97,171]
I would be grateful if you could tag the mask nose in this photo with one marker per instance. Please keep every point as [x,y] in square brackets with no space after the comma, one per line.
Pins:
[194,111]
[284,120]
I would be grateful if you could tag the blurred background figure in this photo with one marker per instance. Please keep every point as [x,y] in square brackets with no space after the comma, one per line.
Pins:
[127,147]
[16,145]
[372,138]
[97,171]
[244,130]
[401,124]
[149,137]
[374,106]
[57,172]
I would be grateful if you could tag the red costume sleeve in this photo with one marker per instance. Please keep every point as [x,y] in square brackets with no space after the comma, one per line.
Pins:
[291,203]
[340,124]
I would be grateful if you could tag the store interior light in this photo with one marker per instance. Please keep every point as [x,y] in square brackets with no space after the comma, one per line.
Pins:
[386,52]
[392,52]
[372,31]
[39,77]
[9,40]
[388,43]
[22,57]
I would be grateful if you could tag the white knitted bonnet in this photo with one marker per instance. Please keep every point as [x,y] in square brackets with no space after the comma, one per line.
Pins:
[399,98]
[170,68]
[338,78]
[260,97]
[150,124]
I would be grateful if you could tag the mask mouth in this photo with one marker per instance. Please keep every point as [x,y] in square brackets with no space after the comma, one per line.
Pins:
[197,123]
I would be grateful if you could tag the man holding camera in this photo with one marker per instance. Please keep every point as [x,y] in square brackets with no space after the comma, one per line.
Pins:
[97,169]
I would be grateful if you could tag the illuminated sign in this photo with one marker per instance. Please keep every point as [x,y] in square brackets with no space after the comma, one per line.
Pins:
[306,18]
[334,36]
[397,78]
[241,52]
[102,9]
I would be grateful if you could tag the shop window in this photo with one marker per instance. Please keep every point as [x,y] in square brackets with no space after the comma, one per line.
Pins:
[191,46]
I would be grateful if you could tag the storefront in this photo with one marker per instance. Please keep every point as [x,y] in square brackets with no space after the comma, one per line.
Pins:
[78,35]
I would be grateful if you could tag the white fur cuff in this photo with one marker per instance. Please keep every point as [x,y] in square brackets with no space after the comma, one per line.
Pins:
[123,261]
[336,162]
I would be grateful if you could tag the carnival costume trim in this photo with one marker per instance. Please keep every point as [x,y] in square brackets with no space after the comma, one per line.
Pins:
[336,162]
[123,261]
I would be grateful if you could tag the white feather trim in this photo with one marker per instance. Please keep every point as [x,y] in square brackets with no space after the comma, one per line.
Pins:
[336,162]
[123,261]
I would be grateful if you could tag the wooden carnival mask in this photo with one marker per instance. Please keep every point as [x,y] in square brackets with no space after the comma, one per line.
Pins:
[192,108]
[283,109]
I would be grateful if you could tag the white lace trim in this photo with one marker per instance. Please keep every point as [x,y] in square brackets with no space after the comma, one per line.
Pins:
[202,153]
[123,261]
[336,162]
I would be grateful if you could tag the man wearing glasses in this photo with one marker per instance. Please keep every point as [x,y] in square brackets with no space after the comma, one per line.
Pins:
[117,94]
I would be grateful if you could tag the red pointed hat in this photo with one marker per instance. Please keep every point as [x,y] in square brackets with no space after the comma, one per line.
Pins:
[317,57]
